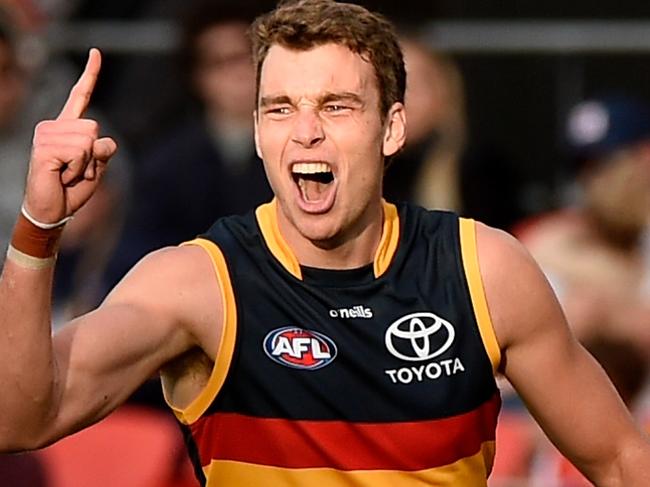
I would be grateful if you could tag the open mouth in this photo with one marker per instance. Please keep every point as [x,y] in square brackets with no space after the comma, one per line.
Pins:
[314,179]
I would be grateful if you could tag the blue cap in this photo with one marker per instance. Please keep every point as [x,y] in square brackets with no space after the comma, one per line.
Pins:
[599,126]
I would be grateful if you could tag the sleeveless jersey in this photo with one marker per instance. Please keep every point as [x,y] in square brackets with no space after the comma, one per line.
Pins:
[379,376]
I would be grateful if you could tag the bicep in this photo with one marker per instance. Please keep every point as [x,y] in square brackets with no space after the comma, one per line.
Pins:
[104,356]
[100,359]
[561,384]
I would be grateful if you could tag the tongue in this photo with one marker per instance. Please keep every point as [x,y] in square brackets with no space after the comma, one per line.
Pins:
[312,190]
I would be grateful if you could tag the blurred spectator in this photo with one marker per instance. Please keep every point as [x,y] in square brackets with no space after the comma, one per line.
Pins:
[427,170]
[13,88]
[593,249]
[206,166]
[439,168]
[33,88]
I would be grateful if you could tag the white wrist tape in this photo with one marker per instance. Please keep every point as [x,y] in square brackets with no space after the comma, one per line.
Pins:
[44,226]
[29,262]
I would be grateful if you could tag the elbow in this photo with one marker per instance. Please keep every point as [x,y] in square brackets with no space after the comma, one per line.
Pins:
[9,444]
[20,441]
[17,436]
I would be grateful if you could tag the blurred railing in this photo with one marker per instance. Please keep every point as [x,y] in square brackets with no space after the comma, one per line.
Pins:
[552,37]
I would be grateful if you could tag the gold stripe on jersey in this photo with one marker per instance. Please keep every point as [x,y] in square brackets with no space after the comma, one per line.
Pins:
[200,404]
[267,218]
[389,239]
[479,302]
[466,472]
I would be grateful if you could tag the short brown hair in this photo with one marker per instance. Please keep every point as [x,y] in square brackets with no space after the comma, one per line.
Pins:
[304,24]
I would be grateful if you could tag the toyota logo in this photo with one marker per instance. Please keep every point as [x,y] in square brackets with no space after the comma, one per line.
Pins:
[419,336]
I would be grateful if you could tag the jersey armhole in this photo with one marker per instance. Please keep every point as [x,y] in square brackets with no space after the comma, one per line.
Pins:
[225,350]
[469,254]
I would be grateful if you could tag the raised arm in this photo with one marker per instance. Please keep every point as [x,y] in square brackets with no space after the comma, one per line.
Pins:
[53,386]
[564,388]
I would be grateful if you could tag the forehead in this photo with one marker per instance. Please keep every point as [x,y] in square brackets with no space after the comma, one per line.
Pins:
[325,68]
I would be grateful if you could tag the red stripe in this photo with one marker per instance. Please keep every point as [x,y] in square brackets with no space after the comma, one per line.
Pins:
[284,443]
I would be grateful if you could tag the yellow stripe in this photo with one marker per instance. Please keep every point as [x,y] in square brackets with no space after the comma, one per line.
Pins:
[267,218]
[200,404]
[389,239]
[472,272]
[467,472]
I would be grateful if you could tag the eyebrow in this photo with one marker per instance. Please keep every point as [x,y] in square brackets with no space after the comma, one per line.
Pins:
[265,101]
[348,96]
[329,97]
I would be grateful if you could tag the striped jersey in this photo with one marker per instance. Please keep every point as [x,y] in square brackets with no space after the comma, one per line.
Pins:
[376,376]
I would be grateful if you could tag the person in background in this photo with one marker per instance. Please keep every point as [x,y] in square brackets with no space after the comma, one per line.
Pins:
[441,166]
[206,165]
[13,88]
[31,80]
[595,250]
[427,170]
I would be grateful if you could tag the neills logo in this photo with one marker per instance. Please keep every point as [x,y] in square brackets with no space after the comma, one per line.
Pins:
[358,311]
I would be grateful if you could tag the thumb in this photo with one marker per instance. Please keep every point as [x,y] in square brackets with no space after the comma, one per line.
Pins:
[104,148]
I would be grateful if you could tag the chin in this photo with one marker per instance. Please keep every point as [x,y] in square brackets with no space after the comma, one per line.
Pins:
[319,229]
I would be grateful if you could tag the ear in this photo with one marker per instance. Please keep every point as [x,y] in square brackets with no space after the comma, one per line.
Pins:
[395,130]
[257,136]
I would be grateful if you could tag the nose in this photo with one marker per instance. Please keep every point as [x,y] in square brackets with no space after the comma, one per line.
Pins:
[307,128]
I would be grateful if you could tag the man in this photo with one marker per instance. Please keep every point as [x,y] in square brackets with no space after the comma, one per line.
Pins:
[329,338]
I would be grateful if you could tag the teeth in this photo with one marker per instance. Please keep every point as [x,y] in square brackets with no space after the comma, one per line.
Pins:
[311,168]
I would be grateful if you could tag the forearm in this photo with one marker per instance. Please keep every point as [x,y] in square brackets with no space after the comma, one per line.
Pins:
[68,160]
[27,372]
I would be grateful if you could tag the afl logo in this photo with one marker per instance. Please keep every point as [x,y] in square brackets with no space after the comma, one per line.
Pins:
[299,348]
[419,336]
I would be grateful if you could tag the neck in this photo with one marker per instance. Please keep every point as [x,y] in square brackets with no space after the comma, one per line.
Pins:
[351,248]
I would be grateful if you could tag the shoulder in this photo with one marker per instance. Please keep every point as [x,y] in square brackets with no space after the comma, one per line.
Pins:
[177,286]
[171,267]
[519,296]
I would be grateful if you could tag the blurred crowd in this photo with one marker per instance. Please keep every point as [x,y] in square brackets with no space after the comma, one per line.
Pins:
[187,157]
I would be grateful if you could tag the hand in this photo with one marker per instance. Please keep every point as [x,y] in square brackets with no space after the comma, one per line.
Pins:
[68,156]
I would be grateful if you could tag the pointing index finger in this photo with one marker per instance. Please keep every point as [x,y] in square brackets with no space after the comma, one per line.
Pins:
[79,96]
